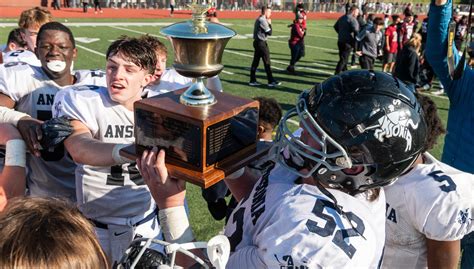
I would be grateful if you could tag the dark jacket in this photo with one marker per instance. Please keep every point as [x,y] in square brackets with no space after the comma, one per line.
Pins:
[346,27]
[407,66]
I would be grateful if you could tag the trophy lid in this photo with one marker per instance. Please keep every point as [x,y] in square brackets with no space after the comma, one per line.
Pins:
[198,27]
[187,30]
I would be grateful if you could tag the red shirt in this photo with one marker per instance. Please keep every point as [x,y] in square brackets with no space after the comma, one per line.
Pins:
[391,33]
[297,33]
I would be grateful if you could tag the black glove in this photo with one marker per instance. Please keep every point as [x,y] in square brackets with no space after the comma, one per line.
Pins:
[54,132]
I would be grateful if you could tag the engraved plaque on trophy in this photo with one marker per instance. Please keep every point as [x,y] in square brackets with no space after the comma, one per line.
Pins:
[207,135]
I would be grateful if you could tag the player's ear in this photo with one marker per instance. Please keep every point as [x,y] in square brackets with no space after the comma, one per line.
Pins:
[147,79]
[74,53]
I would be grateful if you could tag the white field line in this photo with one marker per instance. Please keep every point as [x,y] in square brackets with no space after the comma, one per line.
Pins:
[91,50]
[281,31]
[280,62]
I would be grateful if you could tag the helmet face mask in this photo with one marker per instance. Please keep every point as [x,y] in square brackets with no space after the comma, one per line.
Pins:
[362,129]
[140,254]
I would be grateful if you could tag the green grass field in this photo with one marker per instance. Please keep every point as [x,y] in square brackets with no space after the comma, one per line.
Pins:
[318,64]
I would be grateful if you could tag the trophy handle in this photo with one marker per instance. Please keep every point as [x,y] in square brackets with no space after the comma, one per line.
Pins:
[197,95]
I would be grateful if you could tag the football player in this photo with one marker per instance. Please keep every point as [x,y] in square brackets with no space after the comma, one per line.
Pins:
[26,99]
[429,209]
[111,192]
[16,49]
[167,79]
[30,22]
[322,205]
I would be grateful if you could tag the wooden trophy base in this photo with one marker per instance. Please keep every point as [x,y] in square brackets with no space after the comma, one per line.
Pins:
[209,178]
[203,144]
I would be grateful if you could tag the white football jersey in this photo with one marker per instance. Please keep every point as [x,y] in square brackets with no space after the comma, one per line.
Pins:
[432,201]
[171,80]
[33,91]
[106,194]
[296,226]
[25,56]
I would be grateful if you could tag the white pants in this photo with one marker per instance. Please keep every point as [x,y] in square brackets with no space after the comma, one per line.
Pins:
[116,239]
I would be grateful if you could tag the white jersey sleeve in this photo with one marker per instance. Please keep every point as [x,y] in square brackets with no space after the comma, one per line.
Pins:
[74,102]
[17,79]
[25,56]
[283,224]
[443,211]
[432,201]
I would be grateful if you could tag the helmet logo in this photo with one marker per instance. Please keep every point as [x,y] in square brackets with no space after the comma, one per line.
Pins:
[395,124]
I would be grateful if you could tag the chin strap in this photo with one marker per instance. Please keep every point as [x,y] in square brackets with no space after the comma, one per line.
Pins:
[456,71]
[338,208]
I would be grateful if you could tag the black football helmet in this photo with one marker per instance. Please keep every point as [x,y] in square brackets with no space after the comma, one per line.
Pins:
[358,118]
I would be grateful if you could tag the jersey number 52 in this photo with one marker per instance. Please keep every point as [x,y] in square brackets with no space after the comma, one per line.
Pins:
[331,225]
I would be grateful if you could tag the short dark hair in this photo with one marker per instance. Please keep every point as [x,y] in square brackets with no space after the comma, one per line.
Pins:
[134,50]
[270,111]
[56,26]
[264,9]
[156,44]
[378,21]
[433,121]
[354,7]
[16,36]
[395,17]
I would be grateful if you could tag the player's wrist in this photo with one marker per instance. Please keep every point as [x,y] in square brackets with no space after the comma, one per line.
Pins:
[8,115]
[119,159]
[15,153]
[175,225]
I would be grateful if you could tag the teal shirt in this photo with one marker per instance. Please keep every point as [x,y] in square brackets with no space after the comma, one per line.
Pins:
[459,142]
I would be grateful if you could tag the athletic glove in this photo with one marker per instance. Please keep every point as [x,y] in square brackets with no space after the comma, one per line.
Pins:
[55,131]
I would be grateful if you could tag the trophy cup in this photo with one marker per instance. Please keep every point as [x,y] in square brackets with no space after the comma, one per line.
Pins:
[207,135]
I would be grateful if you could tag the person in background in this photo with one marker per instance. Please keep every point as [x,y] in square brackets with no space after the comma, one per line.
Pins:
[407,67]
[406,30]
[458,145]
[55,5]
[370,39]
[85,5]
[460,32]
[17,50]
[31,20]
[168,79]
[347,28]
[172,4]
[47,233]
[262,29]
[391,45]
[296,42]
[16,40]
[97,6]
[301,12]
